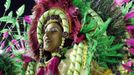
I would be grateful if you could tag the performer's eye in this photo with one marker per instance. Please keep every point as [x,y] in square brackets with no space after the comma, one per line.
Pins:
[54,30]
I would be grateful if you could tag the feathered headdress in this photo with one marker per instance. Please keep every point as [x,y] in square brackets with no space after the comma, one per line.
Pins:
[96,22]
[66,6]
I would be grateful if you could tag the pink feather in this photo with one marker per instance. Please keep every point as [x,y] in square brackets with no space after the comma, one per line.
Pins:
[52,67]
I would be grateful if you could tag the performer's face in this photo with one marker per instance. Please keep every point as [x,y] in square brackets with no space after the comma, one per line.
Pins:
[52,37]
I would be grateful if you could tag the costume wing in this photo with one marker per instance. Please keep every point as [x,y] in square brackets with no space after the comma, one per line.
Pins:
[100,46]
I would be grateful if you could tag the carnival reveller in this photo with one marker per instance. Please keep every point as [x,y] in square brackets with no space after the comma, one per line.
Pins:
[52,29]
[92,50]
[57,20]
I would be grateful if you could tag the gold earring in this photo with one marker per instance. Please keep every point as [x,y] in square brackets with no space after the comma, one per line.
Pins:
[62,43]
[41,49]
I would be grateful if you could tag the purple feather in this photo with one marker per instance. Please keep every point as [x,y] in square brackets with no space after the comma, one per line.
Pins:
[28,19]
[130,42]
[41,71]
[52,67]
[120,2]
[26,58]
[9,49]
[127,66]
[129,15]
[14,41]
[131,50]
[130,29]
[3,44]
[5,35]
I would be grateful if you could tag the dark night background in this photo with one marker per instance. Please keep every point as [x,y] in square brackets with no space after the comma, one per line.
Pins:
[15,4]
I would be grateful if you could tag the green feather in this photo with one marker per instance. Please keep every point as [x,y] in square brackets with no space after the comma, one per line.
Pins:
[115,47]
[82,5]
[89,27]
[125,9]
[101,29]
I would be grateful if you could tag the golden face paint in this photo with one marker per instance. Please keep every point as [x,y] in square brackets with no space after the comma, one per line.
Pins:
[52,37]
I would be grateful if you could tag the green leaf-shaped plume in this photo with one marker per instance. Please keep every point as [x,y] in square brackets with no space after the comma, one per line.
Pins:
[4,30]
[8,19]
[20,11]
[10,14]
[7,4]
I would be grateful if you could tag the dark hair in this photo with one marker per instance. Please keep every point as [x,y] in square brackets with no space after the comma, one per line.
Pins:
[55,17]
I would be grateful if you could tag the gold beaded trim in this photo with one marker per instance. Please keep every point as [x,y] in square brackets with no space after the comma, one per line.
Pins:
[56,54]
